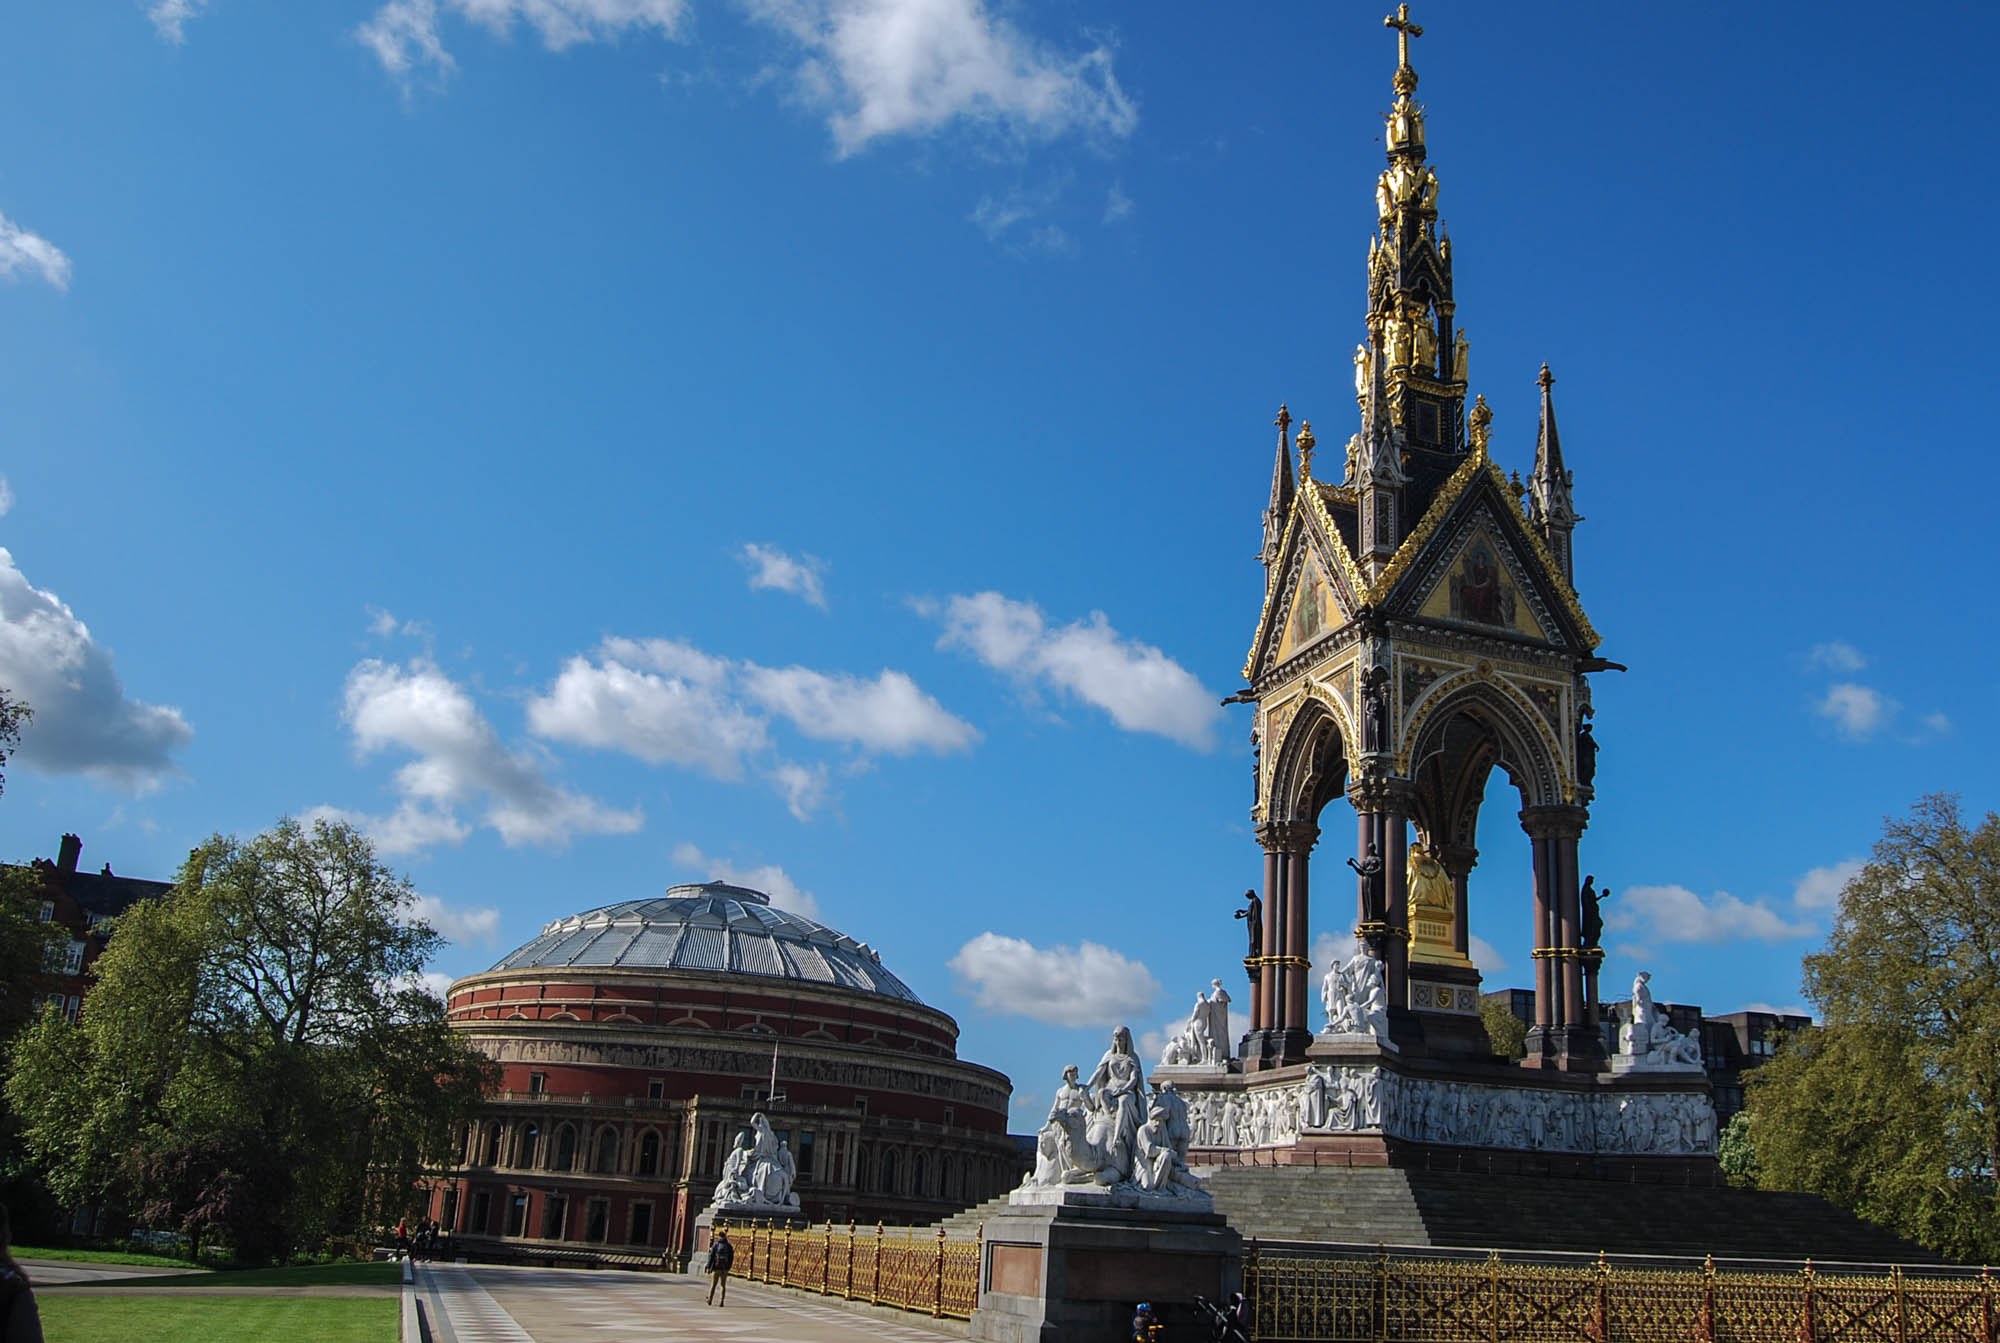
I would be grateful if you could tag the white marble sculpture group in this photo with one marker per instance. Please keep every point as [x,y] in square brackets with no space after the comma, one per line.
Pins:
[1108,1139]
[1204,1041]
[758,1174]
[1356,998]
[1648,1043]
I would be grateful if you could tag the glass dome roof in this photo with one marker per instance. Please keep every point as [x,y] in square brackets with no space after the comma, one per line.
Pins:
[714,927]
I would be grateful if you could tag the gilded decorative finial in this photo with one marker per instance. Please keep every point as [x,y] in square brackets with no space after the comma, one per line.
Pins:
[1547,380]
[1517,487]
[1284,420]
[1306,444]
[1482,419]
[1406,75]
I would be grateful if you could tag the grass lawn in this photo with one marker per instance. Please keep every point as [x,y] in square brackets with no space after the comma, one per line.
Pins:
[351,1274]
[218,1319]
[102,1257]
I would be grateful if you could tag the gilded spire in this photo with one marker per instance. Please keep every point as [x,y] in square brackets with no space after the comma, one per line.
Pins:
[1406,74]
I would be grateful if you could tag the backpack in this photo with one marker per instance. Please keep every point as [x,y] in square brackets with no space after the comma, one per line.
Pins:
[721,1257]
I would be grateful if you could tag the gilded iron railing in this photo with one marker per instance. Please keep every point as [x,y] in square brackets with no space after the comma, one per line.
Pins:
[937,1276]
[1315,1298]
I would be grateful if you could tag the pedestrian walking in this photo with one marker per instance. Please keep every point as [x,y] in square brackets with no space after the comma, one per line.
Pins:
[721,1254]
[20,1319]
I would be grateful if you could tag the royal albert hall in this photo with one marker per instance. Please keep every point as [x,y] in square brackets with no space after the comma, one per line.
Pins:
[636,1040]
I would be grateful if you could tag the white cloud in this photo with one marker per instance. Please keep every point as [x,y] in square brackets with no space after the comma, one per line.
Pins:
[805,788]
[1328,948]
[661,701]
[1856,711]
[889,713]
[1084,985]
[6,497]
[432,982]
[459,760]
[404,34]
[1142,688]
[1117,205]
[83,723]
[1937,724]
[1484,954]
[22,252]
[769,878]
[896,67]
[1677,914]
[1836,656]
[412,827]
[773,568]
[457,922]
[1821,887]
[169,15]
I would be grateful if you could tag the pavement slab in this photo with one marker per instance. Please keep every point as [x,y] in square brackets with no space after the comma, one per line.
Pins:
[483,1304]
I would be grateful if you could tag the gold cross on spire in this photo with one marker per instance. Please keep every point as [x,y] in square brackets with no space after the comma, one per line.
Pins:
[1405,30]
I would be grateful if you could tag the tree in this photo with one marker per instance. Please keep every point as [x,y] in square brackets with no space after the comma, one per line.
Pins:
[1736,1150]
[14,715]
[1892,1108]
[26,943]
[1506,1033]
[255,1060]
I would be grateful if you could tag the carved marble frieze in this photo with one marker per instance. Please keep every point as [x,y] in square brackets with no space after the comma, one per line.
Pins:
[1349,1098]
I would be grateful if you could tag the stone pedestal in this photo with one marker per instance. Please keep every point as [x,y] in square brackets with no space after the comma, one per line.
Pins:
[1072,1271]
[736,1219]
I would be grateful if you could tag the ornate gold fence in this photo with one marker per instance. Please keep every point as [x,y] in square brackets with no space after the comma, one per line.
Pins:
[908,1270]
[1307,1298]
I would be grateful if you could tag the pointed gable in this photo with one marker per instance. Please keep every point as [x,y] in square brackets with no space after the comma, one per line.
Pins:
[1474,562]
[1313,590]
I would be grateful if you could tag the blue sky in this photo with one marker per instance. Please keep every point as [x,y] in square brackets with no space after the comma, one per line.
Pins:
[606,443]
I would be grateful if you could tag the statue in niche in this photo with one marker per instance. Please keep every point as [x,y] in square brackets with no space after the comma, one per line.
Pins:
[1461,357]
[1423,329]
[1252,914]
[1360,373]
[1353,476]
[1375,710]
[1396,336]
[1431,887]
[1385,203]
[1586,753]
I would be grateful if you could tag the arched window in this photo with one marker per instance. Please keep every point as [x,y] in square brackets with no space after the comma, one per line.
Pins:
[527,1139]
[649,1153]
[889,1171]
[605,1161]
[489,1142]
[919,1170]
[565,1148]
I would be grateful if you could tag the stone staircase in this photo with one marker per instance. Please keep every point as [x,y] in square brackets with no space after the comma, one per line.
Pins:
[964,1225]
[1434,1208]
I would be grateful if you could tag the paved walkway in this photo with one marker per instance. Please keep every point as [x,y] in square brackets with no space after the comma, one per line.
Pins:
[54,1272]
[484,1304]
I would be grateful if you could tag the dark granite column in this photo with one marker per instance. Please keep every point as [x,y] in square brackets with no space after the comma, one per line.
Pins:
[1396,895]
[1562,1036]
[1459,860]
[1298,922]
[1260,977]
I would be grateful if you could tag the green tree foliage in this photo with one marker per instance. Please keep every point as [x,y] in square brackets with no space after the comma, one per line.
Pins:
[26,943]
[1736,1150]
[1892,1108]
[254,1061]
[14,715]
[1505,1032]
